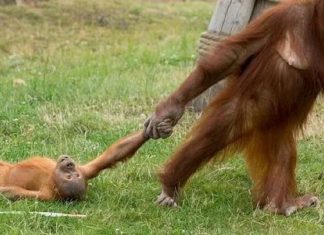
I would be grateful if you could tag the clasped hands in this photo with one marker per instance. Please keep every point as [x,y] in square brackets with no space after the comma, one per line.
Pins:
[162,121]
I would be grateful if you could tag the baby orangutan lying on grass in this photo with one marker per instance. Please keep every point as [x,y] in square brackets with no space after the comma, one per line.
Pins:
[44,179]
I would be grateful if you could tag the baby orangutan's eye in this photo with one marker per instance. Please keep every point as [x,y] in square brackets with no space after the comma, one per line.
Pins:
[68,177]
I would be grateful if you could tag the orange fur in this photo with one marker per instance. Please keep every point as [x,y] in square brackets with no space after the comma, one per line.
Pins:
[276,69]
[36,178]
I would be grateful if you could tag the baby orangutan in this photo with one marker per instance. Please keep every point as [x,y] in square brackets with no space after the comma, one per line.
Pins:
[44,179]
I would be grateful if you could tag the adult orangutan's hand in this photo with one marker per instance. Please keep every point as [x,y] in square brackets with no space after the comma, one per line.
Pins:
[162,121]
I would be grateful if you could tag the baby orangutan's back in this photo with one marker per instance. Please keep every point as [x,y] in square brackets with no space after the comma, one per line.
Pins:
[4,170]
[32,173]
[29,179]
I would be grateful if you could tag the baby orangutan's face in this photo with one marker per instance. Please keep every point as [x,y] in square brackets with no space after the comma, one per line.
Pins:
[69,181]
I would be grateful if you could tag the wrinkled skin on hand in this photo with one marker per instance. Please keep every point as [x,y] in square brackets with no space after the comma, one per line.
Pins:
[162,121]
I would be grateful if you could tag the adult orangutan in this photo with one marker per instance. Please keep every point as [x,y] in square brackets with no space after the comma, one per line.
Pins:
[277,70]
[44,179]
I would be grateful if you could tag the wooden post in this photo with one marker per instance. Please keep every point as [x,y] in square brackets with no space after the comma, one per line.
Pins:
[261,5]
[229,17]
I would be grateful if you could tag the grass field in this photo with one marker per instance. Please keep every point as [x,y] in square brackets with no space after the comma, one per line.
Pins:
[93,71]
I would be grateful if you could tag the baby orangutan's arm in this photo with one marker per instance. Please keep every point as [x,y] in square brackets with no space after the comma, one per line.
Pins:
[119,151]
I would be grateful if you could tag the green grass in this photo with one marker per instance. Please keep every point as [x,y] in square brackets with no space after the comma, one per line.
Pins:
[93,71]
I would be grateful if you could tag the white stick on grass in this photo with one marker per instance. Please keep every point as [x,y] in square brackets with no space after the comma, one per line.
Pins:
[47,214]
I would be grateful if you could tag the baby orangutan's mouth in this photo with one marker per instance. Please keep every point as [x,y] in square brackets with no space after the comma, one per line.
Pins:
[66,162]
[63,158]
[70,165]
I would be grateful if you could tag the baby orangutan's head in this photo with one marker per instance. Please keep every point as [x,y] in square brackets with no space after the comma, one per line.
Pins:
[68,179]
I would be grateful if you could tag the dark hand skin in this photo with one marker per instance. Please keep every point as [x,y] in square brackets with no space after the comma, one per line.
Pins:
[165,117]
